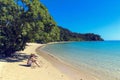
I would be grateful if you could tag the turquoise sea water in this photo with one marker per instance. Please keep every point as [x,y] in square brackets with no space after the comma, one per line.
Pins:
[100,59]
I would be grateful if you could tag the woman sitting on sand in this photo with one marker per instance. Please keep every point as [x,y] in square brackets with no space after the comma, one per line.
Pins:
[32,60]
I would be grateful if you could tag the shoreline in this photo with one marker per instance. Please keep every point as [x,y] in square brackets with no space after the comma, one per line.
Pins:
[51,66]
[70,70]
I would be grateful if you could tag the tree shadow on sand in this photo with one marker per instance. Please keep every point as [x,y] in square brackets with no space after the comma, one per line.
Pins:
[24,65]
[17,57]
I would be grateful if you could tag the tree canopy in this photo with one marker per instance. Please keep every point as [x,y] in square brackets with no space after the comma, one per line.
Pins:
[11,37]
[29,22]
[39,25]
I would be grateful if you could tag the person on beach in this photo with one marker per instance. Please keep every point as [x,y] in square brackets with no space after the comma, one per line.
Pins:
[32,60]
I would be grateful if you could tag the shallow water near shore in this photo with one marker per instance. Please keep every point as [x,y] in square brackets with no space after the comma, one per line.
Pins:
[100,59]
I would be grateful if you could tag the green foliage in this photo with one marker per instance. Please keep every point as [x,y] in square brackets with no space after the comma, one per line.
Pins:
[39,26]
[28,22]
[11,38]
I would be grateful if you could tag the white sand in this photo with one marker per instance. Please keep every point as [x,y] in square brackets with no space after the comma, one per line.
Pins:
[50,68]
[2,64]
[14,70]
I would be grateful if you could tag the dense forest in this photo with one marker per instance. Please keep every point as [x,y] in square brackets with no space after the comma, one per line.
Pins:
[23,21]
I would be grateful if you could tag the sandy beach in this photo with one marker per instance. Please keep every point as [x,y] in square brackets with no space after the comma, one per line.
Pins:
[50,68]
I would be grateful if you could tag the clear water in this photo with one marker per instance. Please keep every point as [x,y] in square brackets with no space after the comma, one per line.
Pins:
[100,59]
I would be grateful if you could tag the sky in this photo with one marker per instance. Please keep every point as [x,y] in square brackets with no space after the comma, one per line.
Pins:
[87,16]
